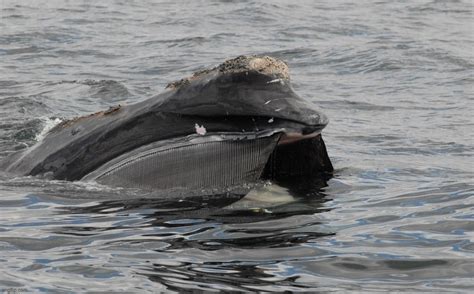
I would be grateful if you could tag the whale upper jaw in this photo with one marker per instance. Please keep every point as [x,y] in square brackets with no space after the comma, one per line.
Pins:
[246,86]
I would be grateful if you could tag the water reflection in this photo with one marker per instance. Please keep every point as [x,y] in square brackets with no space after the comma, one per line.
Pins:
[212,241]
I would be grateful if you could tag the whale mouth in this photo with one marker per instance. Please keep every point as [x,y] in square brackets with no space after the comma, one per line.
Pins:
[293,137]
[217,159]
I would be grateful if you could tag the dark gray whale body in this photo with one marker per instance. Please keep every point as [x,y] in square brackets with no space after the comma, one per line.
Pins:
[235,123]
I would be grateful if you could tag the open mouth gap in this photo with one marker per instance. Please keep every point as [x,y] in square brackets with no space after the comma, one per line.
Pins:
[291,130]
[293,137]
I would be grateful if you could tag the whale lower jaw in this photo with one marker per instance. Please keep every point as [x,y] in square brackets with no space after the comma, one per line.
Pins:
[195,161]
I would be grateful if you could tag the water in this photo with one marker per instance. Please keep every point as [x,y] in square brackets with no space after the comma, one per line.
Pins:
[394,77]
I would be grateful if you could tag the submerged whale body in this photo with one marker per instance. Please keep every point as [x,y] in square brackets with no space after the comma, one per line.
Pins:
[235,123]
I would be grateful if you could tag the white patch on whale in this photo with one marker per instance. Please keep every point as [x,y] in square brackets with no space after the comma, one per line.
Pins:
[276,81]
[200,130]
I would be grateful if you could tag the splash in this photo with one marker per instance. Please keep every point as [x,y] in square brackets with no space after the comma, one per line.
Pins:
[48,124]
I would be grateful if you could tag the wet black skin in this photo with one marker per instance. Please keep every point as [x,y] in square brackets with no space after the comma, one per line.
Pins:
[221,102]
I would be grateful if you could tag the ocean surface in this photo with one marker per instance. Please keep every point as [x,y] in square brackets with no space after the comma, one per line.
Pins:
[394,77]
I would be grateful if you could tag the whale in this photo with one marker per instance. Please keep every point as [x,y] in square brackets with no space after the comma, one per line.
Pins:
[235,123]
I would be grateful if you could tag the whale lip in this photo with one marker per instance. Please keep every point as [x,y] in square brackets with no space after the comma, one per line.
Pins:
[188,161]
[179,142]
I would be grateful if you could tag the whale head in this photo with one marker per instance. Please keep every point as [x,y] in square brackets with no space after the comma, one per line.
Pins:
[234,123]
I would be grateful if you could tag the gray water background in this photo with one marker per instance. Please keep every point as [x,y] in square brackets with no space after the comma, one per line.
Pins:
[394,77]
